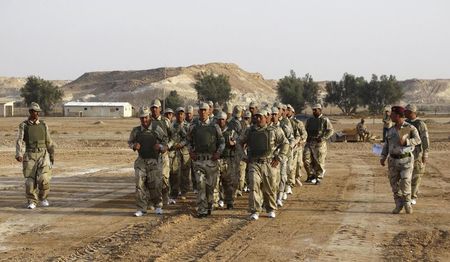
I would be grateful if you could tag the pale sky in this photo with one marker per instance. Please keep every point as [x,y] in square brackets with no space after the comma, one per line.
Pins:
[60,39]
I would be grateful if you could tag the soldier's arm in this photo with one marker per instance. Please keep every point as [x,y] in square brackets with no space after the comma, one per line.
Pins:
[385,151]
[132,138]
[189,139]
[49,144]
[425,139]
[328,129]
[162,139]
[183,136]
[170,138]
[414,138]
[242,140]
[302,131]
[20,145]
[282,144]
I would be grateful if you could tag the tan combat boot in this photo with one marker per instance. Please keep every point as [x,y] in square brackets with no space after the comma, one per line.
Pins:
[398,207]
[408,208]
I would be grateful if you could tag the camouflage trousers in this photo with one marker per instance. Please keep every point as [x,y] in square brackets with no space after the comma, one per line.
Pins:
[297,163]
[180,174]
[165,176]
[314,156]
[148,178]
[263,179]
[418,171]
[242,167]
[283,177]
[206,175]
[37,172]
[229,179]
[400,174]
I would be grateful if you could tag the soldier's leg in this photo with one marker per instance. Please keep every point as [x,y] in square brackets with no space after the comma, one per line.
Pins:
[175,175]
[43,180]
[320,161]
[212,175]
[269,187]
[242,175]
[419,170]
[229,180]
[29,173]
[394,179]
[283,178]
[218,192]
[154,184]
[254,184]
[165,177]
[307,161]
[200,178]
[299,164]
[185,175]
[290,168]
[142,193]
[193,177]
[406,170]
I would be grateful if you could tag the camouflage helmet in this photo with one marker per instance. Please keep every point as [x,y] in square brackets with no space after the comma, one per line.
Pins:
[35,107]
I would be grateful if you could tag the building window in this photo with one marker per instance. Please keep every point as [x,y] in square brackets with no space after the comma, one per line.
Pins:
[85,108]
[117,109]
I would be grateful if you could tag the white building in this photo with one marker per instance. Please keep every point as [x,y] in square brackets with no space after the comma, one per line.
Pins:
[6,108]
[98,109]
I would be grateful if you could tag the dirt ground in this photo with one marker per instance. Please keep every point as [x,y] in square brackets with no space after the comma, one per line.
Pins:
[345,218]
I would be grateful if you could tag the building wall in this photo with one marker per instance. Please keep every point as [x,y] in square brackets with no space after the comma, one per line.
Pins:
[98,111]
[6,109]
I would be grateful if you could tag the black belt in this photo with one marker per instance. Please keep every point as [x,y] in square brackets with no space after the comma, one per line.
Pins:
[400,156]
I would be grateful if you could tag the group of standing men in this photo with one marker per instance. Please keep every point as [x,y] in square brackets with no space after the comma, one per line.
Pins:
[222,154]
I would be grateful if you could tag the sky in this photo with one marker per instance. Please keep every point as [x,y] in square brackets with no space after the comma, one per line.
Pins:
[61,39]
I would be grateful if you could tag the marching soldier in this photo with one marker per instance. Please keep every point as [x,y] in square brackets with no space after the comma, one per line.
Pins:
[420,151]
[35,149]
[267,147]
[206,144]
[319,129]
[401,140]
[150,142]
[300,136]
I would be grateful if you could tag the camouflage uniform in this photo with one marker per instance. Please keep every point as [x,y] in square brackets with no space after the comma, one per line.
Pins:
[148,167]
[205,139]
[264,144]
[237,124]
[181,162]
[420,151]
[400,162]
[36,148]
[319,129]
[300,136]
[165,125]
[363,133]
[228,167]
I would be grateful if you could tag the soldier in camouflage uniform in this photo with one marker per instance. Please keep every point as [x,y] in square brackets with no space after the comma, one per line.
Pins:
[319,129]
[236,123]
[228,165]
[165,125]
[401,139]
[420,151]
[267,147]
[181,163]
[35,149]
[206,144]
[150,142]
[300,136]
[387,123]
[189,118]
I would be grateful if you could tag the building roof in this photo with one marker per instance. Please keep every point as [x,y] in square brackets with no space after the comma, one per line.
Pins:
[73,103]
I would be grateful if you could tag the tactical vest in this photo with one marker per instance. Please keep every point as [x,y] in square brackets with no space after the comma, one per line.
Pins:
[147,139]
[314,126]
[228,151]
[205,139]
[161,123]
[258,143]
[34,136]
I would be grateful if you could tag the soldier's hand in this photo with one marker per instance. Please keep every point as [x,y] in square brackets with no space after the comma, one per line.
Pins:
[137,146]
[382,162]
[178,146]
[19,159]
[215,156]
[274,162]
[193,155]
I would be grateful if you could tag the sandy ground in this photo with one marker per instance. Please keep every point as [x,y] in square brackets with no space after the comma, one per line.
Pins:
[346,218]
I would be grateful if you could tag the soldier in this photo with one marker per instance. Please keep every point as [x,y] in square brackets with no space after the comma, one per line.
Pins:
[253,108]
[36,150]
[246,120]
[228,165]
[211,111]
[169,114]
[286,124]
[150,142]
[181,163]
[319,129]
[165,125]
[420,151]
[387,123]
[189,116]
[236,123]
[400,142]
[267,147]
[206,144]
[363,132]
[300,136]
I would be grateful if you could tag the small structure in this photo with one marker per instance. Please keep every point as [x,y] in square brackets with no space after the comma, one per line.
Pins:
[98,109]
[6,108]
